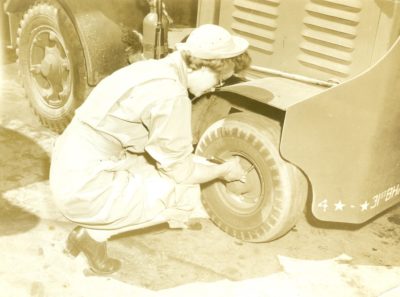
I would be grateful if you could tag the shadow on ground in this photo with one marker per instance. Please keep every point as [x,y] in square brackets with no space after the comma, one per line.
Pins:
[22,162]
[160,258]
[14,219]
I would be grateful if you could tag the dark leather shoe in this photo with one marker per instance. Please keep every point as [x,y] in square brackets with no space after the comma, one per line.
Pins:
[96,252]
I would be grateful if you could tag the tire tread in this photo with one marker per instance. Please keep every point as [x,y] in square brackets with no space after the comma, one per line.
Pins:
[285,210]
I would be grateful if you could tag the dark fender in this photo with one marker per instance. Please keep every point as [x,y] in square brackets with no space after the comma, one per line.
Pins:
[98,25]
[250,97]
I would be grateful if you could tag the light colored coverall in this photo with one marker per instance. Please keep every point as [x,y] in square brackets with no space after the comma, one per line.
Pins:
[122,160]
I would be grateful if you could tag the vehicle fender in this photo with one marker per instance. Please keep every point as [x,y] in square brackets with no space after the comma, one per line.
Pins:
[254,89]
[275,91]
[213,106]
[98,24]
[346,139]
[252,97]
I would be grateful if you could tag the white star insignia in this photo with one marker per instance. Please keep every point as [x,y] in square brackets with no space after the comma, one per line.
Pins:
[364,206]
[339,205]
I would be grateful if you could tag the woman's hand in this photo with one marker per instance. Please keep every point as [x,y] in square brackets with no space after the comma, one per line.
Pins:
[206,170]
[234,170]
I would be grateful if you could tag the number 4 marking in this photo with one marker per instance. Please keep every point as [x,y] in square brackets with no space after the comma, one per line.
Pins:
[323,204]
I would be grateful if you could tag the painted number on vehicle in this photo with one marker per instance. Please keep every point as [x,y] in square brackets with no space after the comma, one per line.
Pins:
[376,200]
[324,205]
[385,196]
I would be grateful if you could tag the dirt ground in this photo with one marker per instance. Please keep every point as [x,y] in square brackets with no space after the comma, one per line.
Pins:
[314,259]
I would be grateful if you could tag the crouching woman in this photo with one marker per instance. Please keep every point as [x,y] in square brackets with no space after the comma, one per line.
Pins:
[126,159]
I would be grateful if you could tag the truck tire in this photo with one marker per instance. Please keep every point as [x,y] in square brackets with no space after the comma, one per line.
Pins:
[51,64]
[268,204]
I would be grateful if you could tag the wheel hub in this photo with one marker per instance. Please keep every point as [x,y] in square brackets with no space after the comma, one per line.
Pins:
[244,196]
[50,68]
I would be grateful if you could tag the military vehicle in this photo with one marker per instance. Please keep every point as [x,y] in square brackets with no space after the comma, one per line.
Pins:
[315,117]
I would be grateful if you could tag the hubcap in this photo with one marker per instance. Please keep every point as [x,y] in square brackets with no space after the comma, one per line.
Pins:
[50,68]
[244,197]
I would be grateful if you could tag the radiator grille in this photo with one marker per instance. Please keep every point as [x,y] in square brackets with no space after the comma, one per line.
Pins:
[329,35]
[256,20]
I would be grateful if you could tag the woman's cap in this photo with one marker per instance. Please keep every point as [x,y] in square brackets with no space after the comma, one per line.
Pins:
[213,42]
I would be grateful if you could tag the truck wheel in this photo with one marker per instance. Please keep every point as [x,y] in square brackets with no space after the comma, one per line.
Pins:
[51,64]
[268,204]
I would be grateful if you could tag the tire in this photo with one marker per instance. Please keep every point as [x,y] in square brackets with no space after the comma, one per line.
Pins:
[51,64]
[269,203]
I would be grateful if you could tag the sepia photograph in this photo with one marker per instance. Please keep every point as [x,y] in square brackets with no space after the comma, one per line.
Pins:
[191,148]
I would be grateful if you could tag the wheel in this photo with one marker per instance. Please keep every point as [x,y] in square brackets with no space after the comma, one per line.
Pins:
[51,64]
[268,204]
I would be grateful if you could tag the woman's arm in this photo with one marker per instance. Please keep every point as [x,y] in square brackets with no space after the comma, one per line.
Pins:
[170,141]
[203,172]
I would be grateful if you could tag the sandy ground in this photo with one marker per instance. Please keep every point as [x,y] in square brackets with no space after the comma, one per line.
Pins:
[314,259]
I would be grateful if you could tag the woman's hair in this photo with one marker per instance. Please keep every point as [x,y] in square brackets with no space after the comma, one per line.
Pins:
[240,62]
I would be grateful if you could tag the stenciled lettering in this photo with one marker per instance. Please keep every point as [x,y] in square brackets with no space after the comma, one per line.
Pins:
[386,195]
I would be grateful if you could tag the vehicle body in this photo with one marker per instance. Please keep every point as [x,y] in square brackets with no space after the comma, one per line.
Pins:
[315,117]
[327,73]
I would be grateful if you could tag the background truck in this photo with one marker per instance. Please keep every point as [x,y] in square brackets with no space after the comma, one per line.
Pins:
[65,47]
[316,116]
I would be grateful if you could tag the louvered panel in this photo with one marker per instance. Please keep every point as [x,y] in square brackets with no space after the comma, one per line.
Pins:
[326,37]
[331,25]
[324,9]
[330,53]
[250,17]
[325,65]
[260,45]
[355,4]
[256,21]
[329,36]
[253,31]
[255,41]
[268,7]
